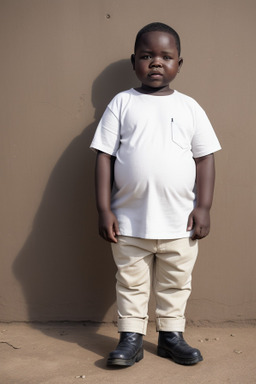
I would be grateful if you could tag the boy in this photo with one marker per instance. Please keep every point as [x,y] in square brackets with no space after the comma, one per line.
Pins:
[154,190]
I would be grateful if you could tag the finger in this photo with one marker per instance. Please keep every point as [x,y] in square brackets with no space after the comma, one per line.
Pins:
[205,232]
[108,235]
[116,229]
[197,234]
[111,235]
[190,223]
[200,233]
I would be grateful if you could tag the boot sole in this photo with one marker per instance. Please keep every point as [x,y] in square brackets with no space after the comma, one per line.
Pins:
[166,354]
[126,362]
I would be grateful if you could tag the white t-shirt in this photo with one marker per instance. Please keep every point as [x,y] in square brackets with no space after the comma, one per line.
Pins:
[155,140]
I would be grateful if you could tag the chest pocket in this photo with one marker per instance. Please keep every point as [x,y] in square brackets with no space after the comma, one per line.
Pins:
[180,135]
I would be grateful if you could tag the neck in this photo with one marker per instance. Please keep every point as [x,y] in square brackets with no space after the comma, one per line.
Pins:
[161,91]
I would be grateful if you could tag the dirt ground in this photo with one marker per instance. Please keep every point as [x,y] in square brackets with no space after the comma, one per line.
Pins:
[75,353]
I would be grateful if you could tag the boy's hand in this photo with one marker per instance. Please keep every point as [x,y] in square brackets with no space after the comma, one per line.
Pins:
[108,226]
[199,220]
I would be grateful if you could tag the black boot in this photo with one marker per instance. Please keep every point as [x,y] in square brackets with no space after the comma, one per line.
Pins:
[128,351]
[172,344]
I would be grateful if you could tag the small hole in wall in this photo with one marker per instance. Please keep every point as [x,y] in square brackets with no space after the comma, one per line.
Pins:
[108,16]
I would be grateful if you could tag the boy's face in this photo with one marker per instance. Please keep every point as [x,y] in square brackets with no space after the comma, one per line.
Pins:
[156,61]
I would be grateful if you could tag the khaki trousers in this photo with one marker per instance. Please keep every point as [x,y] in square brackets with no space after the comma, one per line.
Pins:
[164,264]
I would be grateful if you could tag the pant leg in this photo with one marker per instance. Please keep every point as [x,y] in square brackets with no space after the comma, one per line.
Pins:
[134,261]
[174,263]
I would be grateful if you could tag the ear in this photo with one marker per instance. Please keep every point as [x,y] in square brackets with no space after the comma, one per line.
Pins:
[180,63]
[133,61]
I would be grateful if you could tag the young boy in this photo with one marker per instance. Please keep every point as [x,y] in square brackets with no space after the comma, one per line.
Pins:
[154,190]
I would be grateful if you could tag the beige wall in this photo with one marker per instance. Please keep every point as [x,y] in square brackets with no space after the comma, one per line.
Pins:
[61,62]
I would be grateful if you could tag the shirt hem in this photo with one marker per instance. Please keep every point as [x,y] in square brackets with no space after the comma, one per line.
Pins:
[159,236]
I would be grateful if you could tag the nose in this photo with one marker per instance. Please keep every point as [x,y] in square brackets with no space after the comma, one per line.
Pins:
[156,62]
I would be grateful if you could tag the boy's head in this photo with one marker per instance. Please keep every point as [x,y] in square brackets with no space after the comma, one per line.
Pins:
[156,59]
[159,27]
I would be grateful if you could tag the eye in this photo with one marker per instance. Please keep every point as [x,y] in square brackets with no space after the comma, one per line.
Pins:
[145,57]
[166,57]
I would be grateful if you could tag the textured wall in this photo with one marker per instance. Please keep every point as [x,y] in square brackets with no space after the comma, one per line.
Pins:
[61,62]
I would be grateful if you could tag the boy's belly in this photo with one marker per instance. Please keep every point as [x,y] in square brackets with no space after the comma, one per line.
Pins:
[140,173]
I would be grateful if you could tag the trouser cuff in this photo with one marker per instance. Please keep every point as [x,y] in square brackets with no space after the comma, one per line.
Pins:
[170,325]
[132,325]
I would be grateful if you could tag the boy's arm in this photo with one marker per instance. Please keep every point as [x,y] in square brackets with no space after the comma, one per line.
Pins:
[199,219]
[108,225]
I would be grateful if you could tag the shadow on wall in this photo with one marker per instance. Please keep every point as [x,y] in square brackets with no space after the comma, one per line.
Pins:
[65,269]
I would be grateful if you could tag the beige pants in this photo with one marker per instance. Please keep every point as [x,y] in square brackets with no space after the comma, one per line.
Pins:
[165,264]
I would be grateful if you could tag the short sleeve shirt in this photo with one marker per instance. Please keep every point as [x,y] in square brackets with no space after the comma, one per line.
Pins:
[155,140]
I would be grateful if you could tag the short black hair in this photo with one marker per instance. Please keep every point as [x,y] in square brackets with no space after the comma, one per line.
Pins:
[160,27]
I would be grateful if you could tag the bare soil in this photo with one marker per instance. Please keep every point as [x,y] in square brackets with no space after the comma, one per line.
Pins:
[76,353]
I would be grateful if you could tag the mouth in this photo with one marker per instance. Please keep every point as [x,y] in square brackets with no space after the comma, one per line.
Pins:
[155,75]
